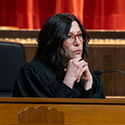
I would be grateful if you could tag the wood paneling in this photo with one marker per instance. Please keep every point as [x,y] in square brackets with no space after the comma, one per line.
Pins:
[76,111]
[109,58]
[30,52]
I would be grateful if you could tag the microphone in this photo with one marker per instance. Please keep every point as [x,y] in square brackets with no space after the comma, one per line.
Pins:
[100,72]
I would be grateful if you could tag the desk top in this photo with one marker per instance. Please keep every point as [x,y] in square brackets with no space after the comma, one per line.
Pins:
[109,100]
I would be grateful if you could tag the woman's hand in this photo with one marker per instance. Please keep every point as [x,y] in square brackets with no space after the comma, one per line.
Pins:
[86,76]
[77,70]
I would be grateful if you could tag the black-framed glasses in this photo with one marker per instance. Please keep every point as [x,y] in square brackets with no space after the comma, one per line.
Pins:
[72,37]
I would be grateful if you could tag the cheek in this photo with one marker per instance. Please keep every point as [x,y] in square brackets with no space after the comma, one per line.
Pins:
[64,45]
[67,47]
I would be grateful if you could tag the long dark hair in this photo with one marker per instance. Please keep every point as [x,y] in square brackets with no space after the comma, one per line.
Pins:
[52,35]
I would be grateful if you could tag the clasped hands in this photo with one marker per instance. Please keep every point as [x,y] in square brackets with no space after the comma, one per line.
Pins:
[78,69]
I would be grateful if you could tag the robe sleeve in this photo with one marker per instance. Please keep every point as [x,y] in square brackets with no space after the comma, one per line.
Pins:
[97,90]
[34,82]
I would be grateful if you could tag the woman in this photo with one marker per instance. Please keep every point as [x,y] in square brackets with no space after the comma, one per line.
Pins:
[58,68]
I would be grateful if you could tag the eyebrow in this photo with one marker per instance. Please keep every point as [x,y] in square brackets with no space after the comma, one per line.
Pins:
[76,33]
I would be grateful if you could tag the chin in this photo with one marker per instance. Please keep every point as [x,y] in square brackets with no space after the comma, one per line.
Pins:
[79,55]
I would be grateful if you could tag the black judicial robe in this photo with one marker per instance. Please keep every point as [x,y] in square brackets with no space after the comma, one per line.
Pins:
[36,80]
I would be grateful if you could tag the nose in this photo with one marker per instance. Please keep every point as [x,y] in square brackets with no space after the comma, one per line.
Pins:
[77,41]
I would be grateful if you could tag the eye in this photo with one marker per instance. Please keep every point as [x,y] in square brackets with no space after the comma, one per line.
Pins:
[80,34]
[70,36]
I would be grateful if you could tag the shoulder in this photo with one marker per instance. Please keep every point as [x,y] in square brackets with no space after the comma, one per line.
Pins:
[33,65]
[37,67]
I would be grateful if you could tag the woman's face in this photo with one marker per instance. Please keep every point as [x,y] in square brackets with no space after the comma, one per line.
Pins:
[74,49]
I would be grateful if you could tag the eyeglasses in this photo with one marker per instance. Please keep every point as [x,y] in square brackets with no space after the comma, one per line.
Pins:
[72,37]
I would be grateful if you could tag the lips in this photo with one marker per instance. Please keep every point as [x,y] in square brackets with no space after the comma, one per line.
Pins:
[78,51]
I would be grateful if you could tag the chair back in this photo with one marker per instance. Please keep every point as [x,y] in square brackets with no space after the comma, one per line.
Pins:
[12,56]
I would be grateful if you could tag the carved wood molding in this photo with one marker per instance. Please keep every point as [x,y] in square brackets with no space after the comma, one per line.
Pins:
[41,115]
[107,42]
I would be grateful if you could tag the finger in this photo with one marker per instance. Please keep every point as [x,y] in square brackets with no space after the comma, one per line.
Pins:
[77,59]
[80,59]
[82,63]
[81,72]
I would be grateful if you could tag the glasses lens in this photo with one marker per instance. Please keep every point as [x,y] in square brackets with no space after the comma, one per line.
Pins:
[70,38]
[81,37]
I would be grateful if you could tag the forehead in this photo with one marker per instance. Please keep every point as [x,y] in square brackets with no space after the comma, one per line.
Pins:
[75,28]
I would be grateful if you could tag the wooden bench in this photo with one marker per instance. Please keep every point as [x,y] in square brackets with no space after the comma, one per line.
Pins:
[110,111]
